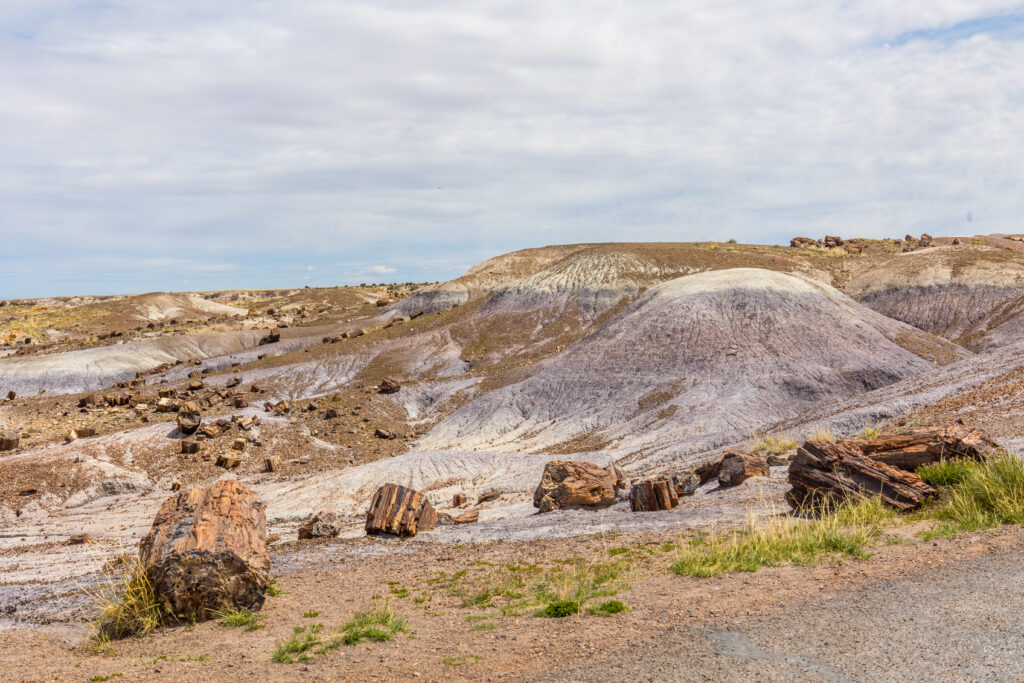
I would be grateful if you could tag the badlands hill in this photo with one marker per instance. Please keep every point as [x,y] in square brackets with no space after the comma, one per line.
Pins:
[653,356]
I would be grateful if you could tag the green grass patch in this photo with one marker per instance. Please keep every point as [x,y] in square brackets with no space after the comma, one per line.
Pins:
[380,624]
[298,645]
[945,474]
[556,609]
[461,660]
[241,618]
[274,588]
[608,608]
[988,494]
[487,626]
[774,445]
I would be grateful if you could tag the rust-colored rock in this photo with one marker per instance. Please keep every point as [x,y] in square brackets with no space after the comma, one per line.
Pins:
[709,470]
[467,517]
[389,386]
[273,336]
[228,462]
[922,447]
[189,417]
[458,500]
[801,242]
[569,483]
[324,524]
[238,445]
[737,467]
[828,471]
[189,447]
[653,494]
[9,440]
[207,551]
[399,511]
[488,497]
[415,314]
[88,400]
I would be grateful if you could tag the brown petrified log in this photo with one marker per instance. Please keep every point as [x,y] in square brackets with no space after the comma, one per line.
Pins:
[653,494]
[399,511]
[921,447]
[737,467]
[823,470]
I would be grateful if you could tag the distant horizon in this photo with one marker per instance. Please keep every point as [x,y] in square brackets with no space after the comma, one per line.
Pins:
[193,146]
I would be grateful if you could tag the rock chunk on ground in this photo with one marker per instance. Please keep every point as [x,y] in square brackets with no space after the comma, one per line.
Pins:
[389,386]
[189,417]
[324,524]
[685,483]
[488,497]
[570,483]
[708,470]
[467,517]
[922,447]
[9,440]
[399,511]
[824,471]
[272,463]
[652,495]
[737,467]
[207,551]
[458,500]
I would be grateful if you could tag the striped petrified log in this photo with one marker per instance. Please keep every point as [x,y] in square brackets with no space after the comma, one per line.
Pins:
[910,451]
[653,494]
[824,470]
[399,511]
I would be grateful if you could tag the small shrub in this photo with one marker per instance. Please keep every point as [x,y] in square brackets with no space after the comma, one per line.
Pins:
[560,608]
[609,608]
[301,641]
[871,433]
[823,435]
[774,445]
[274,589]
[946,473]
[311,614]
[126,601]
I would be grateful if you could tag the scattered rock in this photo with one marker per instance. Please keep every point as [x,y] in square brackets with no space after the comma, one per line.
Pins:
[467,517]
[801,242]
[708,470]
[568,483]
[11,395]
[78,539]
[195,385]
[238,445]
[737,467]
[685,483]
[273,336]
[330,414]
[88,400]
[272,463]
[228,462]
[189,447]
[324,524]
[384,434]
[415,314]
[207,551]
[458,500]
[489,496]
[240,402]
[189,418]
[389,386]
[399,511]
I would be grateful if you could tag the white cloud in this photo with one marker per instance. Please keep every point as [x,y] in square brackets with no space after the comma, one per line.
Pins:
[269,135]
[381,270]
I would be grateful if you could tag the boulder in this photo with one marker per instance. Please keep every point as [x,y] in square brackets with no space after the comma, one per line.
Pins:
[801,242]
[399,511]
[569,483]
[324,524]
[737,467]
[833,241]
[189,417]
[389,386]
[207,550]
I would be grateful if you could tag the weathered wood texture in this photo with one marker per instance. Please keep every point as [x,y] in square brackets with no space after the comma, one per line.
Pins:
[922,447]
[737,467]
[653,494]
[823,470]
[399,511]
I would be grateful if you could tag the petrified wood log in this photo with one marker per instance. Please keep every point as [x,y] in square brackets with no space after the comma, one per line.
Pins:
[910,451]
[207,551]
[9,440]
[399,511]
[737,467]
[653,494]
[189,418]
[823,470]
[709,470]
[570,483]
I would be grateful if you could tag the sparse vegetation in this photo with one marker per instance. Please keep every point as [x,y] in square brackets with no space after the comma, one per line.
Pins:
[559,608]
[379,624]
[311,614]
[274,588]
[302,640]
[460,660]
[240,618]
[871,433]
[125,600]
[774,445]
[608,608]
[980,495]
[823,435]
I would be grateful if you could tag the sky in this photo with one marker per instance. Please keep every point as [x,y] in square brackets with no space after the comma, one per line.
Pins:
[189,145]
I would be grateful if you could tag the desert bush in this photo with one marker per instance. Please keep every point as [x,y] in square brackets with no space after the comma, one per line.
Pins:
[125,600]
[982,495]
[774,445]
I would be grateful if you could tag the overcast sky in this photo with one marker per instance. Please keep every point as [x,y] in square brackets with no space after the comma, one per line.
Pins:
[186,144]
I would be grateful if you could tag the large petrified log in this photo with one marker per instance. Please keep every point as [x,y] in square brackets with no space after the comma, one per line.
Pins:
[737,467]
[653,494]
[709,470]
[572,483]
[189,417]
[207,551]
[823,470]
[921,447]
[399,511]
